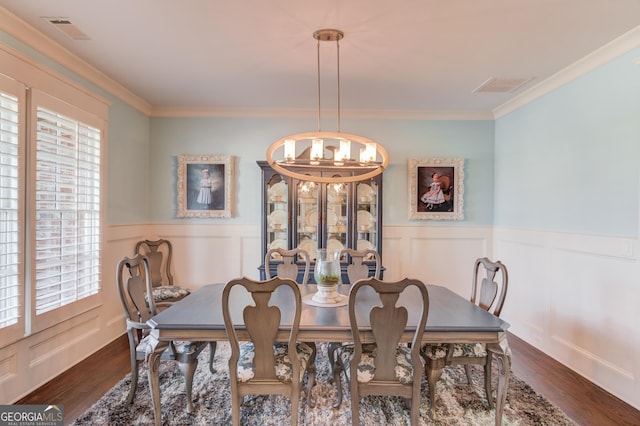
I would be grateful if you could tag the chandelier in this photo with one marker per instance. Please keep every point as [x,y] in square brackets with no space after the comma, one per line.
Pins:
[347,157]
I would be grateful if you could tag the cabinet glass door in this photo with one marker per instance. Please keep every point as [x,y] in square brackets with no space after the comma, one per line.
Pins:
[308,217]
[366,219]
[336,216]
[277,213]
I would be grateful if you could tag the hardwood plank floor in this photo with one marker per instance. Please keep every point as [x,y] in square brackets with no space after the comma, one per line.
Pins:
[587,404]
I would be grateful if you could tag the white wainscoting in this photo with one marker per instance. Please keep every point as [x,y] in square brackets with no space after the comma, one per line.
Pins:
[34,360]
[577,298]
[211,253]
[217,253]
[435,255]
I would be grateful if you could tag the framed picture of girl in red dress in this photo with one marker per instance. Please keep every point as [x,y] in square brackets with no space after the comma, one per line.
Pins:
[205,186]
[436,188]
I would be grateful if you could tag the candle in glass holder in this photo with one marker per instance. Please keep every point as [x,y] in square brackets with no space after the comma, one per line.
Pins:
[289,149]
[317,150]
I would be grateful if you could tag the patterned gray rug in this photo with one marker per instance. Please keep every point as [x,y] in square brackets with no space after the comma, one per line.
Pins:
[457,403]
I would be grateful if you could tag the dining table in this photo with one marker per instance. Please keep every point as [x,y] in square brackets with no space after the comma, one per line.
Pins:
[451,319]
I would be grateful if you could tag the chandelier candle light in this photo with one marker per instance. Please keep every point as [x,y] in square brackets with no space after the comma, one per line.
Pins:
[295,155]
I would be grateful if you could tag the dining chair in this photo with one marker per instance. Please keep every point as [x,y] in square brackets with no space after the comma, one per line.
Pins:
[132,276]
[356,270]
[159,253]
[489,293]
[286,264]
[261,364]
[384,365]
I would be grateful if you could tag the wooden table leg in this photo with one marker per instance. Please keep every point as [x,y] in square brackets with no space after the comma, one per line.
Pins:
[153,360]
[502,354]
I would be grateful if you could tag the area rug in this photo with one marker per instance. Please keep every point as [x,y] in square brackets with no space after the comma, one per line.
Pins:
[457,403]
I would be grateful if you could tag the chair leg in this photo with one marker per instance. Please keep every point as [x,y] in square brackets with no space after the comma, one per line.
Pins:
[414,403]
[433,370]
[336,370]
[355,405]
[467,370]
[134,337]
[487,380]
[331,350]
[311,375]
[134,378]
[236,402]
[295,404]
[188,368]
[212,354]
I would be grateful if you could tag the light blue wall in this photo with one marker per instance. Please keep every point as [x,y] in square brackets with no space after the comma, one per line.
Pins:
[570,161]
[128,183]
[248,139]
[127,149]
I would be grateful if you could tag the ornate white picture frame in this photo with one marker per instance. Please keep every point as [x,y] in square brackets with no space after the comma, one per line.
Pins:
[436,188]
[205,186]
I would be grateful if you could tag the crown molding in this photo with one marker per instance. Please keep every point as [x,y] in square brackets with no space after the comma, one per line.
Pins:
[312,113]
[27,34]
[599,57]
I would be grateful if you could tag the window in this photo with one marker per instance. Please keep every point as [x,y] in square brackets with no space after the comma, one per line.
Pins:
[51,180]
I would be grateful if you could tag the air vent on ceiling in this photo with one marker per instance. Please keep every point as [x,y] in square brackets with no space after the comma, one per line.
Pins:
[65,25]
[502,85]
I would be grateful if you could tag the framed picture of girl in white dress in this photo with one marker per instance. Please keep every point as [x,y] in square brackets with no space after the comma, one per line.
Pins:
[436,188]
[205,186]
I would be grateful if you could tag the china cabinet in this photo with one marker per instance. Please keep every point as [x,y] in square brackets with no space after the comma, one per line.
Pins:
[316,216]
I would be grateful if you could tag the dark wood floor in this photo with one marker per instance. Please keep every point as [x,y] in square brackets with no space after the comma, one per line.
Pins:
[587,404]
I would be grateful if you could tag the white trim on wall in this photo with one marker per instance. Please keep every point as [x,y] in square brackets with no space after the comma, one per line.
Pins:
[606,53]
[575,297]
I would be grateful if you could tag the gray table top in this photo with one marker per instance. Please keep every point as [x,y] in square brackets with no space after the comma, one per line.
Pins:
[448,312]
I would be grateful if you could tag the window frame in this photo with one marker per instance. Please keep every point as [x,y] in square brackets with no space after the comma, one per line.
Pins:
[13,87]
[46,319]
[38,85]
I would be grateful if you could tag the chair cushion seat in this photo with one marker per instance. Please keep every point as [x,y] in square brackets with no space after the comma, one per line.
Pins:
[169,293]
[181,347]
[283,367]
[366,366]
[467,350]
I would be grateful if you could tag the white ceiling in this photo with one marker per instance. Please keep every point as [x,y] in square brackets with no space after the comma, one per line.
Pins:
[406,55]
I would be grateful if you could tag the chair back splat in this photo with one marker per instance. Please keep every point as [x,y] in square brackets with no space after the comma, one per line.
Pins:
[486,291]
[159,254]
[358,268]
[287,264]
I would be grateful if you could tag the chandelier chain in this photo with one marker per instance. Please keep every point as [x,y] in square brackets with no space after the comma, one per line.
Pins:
[338,61]
[319,106]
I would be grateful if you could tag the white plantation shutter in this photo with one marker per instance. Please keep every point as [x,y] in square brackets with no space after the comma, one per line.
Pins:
[67,210]
[52,172]
[10,211]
